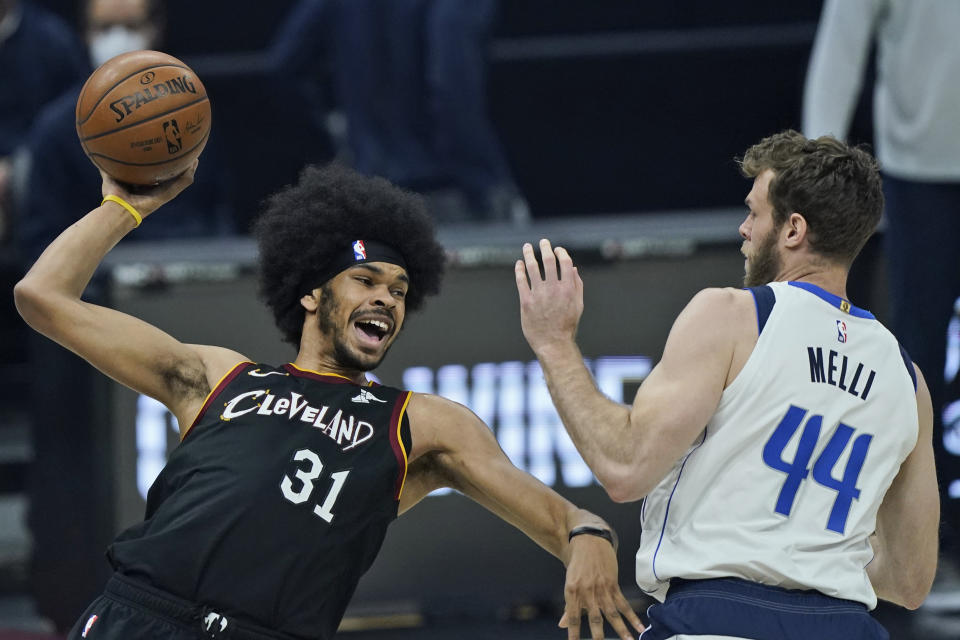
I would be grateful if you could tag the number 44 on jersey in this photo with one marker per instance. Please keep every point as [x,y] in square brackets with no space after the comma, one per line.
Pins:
[798,469]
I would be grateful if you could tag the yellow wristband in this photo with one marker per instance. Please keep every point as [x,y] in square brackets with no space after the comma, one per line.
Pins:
[126,205]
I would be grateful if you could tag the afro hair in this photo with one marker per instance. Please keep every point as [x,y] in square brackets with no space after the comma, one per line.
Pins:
[303,225]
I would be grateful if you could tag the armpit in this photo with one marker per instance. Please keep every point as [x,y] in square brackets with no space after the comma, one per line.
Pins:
[184,380]
[428,468]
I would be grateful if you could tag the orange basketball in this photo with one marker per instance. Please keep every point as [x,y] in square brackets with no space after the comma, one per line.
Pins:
[143,117]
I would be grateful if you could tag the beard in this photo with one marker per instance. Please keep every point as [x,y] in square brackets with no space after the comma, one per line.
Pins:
[764,265]
[344,355]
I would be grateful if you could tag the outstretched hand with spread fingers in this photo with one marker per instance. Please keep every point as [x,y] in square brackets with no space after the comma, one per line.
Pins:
[550,304]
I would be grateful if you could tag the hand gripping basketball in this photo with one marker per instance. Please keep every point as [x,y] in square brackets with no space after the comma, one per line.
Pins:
[146,201]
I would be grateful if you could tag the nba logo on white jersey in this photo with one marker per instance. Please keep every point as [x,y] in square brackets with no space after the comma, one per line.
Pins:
[841,331]
[359,251]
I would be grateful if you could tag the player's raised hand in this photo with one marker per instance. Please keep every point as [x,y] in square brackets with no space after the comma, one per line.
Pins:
[592,588]
[551,304]
[146,200]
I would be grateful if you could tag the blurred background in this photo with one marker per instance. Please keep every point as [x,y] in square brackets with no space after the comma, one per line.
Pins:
[610,127]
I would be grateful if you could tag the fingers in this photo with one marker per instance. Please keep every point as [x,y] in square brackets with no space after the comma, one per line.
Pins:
[531,264]
[549,261]
[595,620]
[613,614]
[523,285]
[567,269]
[147,199]
[627,612]
[614,611]
[169,189]
[578,283]
[111,186]
[192,170]
[181,181]
[552,258]
[571,618]
[595,616]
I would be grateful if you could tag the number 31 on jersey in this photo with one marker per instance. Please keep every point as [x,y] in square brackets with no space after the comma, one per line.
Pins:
[305,476]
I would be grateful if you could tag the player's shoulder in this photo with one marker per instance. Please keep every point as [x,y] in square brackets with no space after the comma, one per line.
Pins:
[722,296]
[438,423]
[719,303]
[717,316]
[218,361]
[429,406]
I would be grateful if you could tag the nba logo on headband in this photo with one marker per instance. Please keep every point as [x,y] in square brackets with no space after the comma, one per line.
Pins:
[359,251]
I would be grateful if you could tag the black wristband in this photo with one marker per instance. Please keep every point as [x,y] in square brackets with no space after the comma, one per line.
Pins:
[600,532]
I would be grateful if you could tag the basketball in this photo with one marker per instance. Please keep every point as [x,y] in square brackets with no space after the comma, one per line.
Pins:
[143,117]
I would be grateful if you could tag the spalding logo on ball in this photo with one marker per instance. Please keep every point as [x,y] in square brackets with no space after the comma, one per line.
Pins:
[143,117]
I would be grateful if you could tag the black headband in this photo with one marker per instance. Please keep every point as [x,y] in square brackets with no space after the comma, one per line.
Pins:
[359,252]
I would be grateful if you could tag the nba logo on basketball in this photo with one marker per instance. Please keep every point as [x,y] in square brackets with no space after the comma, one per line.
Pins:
[171,131]
[359,251]
[841,331]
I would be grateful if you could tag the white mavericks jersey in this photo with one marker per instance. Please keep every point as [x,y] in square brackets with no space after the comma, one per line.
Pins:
[783,486]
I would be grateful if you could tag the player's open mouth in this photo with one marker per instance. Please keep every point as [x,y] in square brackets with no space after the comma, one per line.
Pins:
[373,329]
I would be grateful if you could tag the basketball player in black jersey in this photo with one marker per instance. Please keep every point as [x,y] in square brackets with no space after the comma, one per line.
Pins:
[279,495]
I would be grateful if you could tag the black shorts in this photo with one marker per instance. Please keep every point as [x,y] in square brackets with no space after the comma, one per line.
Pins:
[130,609]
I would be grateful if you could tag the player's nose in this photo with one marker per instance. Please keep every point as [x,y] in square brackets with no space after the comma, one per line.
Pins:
[381,297]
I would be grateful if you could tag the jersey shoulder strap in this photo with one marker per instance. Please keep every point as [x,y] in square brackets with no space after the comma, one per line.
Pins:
[764,298]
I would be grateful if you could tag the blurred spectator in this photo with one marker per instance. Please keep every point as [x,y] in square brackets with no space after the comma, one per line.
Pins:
[70,528]
[916,102]
[410,79]
[39,58]
[62,184]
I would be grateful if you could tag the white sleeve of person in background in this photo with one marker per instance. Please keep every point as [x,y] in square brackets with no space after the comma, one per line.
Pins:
[837,63]
[917,92]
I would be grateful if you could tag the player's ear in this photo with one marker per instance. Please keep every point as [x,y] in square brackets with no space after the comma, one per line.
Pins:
[796,230]
[310,302]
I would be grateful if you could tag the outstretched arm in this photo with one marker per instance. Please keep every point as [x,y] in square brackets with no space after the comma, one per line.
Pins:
[629,449]
[129,350]
[454,448]
[905,542]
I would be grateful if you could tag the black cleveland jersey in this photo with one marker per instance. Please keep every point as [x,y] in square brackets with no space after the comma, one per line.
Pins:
[277,500]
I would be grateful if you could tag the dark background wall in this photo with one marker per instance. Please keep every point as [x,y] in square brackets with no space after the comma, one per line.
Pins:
[606,106]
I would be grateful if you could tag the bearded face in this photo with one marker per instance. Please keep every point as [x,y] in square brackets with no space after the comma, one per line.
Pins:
[360,313]
[763,261]
[760,232]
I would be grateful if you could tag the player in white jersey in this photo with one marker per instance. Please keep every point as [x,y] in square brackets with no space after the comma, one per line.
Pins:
[782,445]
